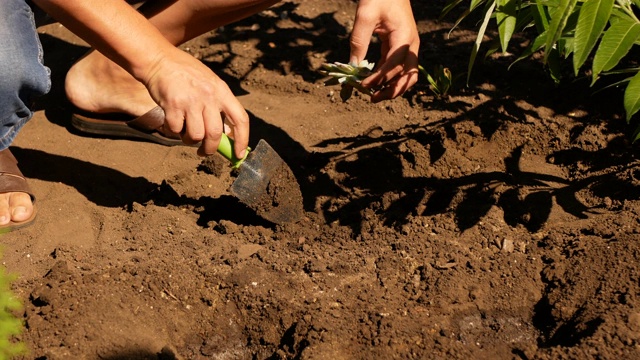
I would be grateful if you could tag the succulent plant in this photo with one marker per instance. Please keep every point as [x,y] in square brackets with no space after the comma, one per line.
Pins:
[349,76]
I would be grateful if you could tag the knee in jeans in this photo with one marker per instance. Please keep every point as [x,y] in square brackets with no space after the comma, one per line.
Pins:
[23,80]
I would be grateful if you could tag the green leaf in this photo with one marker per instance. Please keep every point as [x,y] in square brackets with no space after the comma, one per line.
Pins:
[559,19]
[506,12]
[572,21]
[565,46]
[540,17]
[494,46]
[594,15]
[617,14]
[550,3]
[636,134]
[432,81]
[615,44]
[621,71]
[481,31]
[450,6]
[423,71]
[555,65]
[612,85]
[474,5]
[524,19]
[535,45]
[632,97]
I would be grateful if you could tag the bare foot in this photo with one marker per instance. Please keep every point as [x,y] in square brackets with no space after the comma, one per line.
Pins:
[97,84]
[16,207]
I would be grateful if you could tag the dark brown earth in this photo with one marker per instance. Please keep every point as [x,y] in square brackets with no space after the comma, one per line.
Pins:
[499,223]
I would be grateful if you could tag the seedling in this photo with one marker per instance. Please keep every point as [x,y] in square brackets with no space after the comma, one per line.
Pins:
[350,76]
[441,81]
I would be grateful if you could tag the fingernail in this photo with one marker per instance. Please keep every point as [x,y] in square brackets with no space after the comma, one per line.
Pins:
[3,220]
[242,154]
[353,60]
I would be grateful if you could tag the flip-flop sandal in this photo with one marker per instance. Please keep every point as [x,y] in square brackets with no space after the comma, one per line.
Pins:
[12,180]
[146,127]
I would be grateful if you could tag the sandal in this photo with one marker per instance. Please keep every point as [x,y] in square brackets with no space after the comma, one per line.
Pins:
[12,180]
[145,127]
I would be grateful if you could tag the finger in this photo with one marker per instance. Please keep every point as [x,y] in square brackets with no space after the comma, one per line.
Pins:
[392,66]
[226,128]
[396,87]
[237,119]
[384,50]
[194,124]
[173,121]
[213,131]
[361,38]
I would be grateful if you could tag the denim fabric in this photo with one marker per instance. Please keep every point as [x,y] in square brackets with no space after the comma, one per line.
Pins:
[23,76]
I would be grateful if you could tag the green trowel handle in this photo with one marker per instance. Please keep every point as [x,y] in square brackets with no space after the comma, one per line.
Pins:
[225,148]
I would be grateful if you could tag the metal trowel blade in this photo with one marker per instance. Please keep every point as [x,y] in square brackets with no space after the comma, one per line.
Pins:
[266,184]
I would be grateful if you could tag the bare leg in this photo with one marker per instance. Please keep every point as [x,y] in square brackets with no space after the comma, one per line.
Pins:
[97,84]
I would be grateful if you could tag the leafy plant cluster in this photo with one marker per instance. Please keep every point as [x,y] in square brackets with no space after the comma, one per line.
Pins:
[596,32]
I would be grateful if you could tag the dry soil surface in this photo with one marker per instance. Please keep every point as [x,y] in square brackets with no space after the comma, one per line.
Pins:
[498,223]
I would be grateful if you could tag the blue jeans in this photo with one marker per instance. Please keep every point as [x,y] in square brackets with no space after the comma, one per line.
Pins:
[23,76]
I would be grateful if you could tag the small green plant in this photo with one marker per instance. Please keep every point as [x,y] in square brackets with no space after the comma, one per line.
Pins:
[349,76]
[441,82]
[10,325]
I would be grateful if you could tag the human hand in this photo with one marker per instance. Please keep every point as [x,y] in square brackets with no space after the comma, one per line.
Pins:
[197,103]
[393,23]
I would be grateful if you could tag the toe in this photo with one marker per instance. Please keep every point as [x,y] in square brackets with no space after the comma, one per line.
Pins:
[20,207]
[5,217]
[5,213]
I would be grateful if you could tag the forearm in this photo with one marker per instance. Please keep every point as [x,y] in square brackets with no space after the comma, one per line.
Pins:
[114,28]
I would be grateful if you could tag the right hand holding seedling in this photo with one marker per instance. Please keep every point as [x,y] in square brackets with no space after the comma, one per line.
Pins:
[394,26]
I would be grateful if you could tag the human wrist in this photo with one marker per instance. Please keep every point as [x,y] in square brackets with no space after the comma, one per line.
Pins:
[145,68]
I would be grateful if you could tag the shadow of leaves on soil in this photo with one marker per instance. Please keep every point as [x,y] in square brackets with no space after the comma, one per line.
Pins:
[566,333]
[526,198]
[305,36]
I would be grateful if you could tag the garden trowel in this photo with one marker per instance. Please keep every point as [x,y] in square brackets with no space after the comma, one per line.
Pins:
[265,183]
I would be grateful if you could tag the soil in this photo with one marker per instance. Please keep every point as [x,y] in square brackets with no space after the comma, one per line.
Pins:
[500,222]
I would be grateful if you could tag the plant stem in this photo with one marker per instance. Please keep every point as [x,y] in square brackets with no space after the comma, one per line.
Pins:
[625,5]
